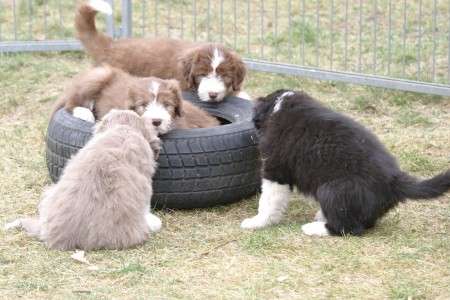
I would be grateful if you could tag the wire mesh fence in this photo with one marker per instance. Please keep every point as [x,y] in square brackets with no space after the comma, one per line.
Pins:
[395,44]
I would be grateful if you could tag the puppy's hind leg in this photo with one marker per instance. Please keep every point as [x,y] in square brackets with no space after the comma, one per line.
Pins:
[272,205]
[340,212]
[318,226]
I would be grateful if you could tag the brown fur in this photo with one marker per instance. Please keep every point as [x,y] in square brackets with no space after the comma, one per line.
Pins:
[160,57]
[104,88]
[102,199]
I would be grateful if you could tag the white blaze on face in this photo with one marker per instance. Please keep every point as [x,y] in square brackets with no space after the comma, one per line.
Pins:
[155,89]
[212,88]
[280,100]
[157,113]
[217,60]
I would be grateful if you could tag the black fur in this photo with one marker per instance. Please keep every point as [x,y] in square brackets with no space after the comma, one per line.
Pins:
[336,160]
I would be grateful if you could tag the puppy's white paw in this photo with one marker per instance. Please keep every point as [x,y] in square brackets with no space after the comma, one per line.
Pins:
[243,95]
[316,228]
[153,222]
[84,114]
[14,224]
[255,222]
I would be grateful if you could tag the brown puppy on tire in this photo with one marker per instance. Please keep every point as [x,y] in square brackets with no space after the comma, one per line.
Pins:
[97,91]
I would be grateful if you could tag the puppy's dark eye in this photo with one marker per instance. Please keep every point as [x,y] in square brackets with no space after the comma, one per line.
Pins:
[140,104]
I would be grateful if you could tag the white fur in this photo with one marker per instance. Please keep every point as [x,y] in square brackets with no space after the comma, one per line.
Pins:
[212,83]
[153,222]
[101,6]
[272,205]
[217,59]
[84,114]
[14,224]
[243,95]
[316,228]
[155,89]
[280,100]
[156,110]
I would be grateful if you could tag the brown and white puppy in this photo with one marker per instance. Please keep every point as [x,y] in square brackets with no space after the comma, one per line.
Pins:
[102,199]
[104,88]
[212,70]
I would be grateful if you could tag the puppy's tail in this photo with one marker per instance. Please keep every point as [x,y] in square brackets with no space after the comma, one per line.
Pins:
[410,187]
[86,89]
[31,226]
[93,41]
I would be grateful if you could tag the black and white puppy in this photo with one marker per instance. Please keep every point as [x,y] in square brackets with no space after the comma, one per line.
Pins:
[327,155]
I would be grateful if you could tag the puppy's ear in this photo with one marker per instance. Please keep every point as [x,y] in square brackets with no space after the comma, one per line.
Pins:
[103,124]
[240,71]
[185,64]
[135,92]
[261,112]
[174,87]
[150,135]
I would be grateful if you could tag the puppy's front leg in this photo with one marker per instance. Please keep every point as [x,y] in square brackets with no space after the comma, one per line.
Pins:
[153,222]
[272,204]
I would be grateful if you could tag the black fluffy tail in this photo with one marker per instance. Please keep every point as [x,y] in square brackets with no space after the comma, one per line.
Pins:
[410,187]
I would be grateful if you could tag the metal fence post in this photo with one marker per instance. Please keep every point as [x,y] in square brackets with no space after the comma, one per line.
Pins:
[418,63]
[127,26]
[110,22]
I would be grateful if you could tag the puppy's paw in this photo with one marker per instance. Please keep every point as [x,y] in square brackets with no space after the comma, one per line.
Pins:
[243,95]
[84,114]
[316,228]
[153,222]
[255,222]
[15,224]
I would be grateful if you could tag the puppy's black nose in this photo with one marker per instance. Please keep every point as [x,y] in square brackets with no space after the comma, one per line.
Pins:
[156,122]
[212,95]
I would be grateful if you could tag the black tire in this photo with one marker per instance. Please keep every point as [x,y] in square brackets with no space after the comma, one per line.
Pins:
[197,167]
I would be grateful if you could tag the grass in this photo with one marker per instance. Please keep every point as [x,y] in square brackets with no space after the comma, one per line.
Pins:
[203,253]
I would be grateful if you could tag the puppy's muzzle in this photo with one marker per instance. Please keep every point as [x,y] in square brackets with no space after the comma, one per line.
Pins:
[213,95]
[156,122]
